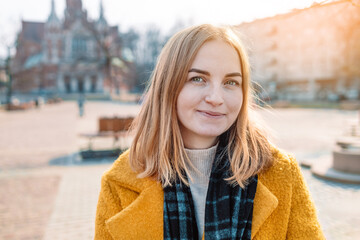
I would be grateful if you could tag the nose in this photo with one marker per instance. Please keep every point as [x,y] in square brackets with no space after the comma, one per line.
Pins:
[214,96]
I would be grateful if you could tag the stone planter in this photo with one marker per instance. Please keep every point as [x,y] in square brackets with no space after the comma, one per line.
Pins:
[345,160]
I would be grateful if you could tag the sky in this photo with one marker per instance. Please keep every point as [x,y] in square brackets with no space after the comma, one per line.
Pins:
[143,13]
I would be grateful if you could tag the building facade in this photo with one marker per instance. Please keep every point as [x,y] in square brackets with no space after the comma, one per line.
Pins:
[307,54]
[72,55]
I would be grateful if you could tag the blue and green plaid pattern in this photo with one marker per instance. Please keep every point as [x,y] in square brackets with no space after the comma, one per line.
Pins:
[228,211]
[179,213]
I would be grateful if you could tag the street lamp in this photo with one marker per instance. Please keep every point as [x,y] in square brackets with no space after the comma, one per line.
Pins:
[9,82]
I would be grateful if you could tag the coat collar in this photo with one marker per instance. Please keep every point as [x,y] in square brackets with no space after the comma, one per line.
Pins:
[146,211]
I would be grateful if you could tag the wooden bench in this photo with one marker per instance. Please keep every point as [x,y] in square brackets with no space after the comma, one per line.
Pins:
[115,127]
[114,124]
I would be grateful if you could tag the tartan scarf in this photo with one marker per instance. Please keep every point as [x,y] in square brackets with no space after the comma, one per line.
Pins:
[228,210]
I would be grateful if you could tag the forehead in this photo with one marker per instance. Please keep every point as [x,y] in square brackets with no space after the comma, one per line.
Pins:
[217,54]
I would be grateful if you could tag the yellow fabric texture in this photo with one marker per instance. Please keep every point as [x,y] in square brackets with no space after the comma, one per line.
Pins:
[132,208]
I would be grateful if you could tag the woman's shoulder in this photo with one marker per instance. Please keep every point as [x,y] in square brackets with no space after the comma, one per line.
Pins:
[123,175]
[282,175]
[281,157]
[283,166]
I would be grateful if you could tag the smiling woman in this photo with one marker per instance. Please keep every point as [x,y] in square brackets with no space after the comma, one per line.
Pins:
[198,167]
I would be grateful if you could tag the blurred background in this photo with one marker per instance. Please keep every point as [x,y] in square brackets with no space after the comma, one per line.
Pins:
[72,75]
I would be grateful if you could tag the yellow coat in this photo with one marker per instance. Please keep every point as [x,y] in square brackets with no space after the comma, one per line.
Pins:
[132,208]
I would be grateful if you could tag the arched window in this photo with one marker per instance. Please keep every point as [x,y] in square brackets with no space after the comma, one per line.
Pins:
[67,84]
[79,46]
[80,84]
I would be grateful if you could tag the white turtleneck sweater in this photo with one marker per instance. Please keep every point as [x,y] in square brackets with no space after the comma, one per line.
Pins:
[202,159]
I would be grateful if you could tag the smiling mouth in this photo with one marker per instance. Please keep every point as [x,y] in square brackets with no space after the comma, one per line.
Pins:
[211,114]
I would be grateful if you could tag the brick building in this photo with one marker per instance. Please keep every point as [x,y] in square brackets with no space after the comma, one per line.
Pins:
[72,55]
[307,54]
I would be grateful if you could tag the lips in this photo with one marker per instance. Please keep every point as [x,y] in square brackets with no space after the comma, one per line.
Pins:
[211,114]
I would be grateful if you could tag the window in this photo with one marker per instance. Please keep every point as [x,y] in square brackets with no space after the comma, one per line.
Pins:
[49,48]
[67,84]
[60,48]
[80,84]
[79,47]
[93,84]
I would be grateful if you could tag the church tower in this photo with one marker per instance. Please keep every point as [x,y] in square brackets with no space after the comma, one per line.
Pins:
[74,11]
[52,37]
[101,23]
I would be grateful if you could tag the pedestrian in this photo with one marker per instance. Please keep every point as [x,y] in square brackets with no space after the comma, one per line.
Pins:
[199,166]
[81,101]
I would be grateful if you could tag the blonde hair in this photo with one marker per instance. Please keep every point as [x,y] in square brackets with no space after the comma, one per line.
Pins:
[157,150]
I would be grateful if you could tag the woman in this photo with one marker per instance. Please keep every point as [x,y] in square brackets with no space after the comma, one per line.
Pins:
[198,166]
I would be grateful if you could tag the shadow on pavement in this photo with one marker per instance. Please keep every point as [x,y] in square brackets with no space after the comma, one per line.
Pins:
[77,159]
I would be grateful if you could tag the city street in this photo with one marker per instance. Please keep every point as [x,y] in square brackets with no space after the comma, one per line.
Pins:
[43,199]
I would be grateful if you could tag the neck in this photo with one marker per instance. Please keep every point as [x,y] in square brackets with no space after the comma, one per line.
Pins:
[200,143]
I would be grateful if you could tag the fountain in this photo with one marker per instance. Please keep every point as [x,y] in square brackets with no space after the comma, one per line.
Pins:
[345,158]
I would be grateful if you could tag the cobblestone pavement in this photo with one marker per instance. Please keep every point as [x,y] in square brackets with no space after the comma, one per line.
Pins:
[338,207]
[75,206]
[45,201]
[24,206]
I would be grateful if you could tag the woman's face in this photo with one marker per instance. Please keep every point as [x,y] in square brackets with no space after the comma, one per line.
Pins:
[211,98]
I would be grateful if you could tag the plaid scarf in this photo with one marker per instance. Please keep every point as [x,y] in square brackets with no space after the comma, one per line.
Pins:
[228,210]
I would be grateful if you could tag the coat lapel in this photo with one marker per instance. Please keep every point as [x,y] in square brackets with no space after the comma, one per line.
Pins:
[143,217]
[265,203]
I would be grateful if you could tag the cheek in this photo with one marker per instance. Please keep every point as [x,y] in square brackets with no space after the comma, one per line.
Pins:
[234,102]
[235,109]
[182,104]
[188,98]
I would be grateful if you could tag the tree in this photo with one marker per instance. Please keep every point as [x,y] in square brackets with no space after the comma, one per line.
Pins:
[130,39]
[7,42]
[147,52]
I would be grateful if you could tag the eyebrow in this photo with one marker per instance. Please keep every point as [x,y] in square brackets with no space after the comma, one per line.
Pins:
[234,74]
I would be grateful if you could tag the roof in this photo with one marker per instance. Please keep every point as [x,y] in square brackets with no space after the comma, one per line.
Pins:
[33,60]
[127,55]
[33,31]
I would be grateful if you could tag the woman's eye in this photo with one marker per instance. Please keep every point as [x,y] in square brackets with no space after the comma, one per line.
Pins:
[232,83]
[197,79]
